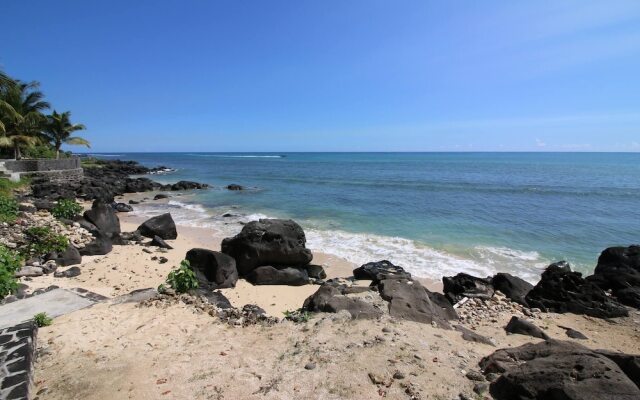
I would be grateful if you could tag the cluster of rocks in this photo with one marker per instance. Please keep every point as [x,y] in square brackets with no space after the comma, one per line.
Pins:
[12,235]
[108,180]
[476,311]
[214,304]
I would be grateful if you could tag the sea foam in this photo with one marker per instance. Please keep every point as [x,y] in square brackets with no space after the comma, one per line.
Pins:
[359,248]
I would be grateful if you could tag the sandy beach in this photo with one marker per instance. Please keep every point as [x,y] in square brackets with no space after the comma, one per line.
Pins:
[117,350]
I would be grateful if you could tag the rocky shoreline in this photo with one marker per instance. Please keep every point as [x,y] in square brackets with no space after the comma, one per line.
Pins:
[272,253]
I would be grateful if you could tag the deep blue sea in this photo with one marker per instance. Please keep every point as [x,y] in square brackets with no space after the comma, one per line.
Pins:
[433,213]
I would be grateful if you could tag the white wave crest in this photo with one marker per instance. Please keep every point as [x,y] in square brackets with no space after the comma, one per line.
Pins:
[359,248]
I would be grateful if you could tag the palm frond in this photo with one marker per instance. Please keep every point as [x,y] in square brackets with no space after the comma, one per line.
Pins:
[77,141]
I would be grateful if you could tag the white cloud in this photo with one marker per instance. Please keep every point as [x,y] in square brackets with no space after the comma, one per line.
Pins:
[540,143]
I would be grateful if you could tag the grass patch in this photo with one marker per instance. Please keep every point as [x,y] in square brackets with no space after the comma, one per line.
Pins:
[42,319]
[7,187]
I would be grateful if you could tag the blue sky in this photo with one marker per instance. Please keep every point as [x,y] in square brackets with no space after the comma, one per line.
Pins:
[335,75]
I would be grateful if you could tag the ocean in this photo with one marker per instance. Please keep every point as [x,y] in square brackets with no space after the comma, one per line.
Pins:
[435,214]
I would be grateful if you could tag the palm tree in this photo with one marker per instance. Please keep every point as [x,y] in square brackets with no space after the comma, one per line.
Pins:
[59,129]
[21,106]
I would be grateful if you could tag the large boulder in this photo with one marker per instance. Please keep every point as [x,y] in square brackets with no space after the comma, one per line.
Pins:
[618,270]
[556,369]
[524,327]
[268,242]
[161,225]
[187,185]
[410,300]
[379,270]
[104,218]
[333,298]
[269,275]
[213,269]
[562,290]
[100,246]
[464,285]
[514,288]
[71,256]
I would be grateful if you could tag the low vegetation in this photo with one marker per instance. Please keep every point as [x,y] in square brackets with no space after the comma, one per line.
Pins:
[10,263]
[181,279]
[66,208]
[8,208]
[42,240]
[297,316]
[42,319]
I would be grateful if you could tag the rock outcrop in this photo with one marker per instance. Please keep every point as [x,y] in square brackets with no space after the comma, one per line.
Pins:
[558,370]
[523,327]
[333,298]
[618,270]
[412,301]
[379,270]
[268,242]
[465,285]
[104,218]
[269,275]
[562,290]
[213,269]
[161,226]
[514,288]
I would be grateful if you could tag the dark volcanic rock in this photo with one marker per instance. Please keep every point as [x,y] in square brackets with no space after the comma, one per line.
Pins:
[618,270]
[216,298]
[216,270]
[572,333]
[268,242]
[103,217]
[629,296]
[333,298]
[410,300]
[160,196]
[100,246]
[235,187]
[561,290]
[71,256]
[471,336]
[268,275]
[379,270]
[122,207]
[628,363]
[514,288]
[465,285]
[161,225]
[557,370]
[159,242]
[523,327]
[315,271]
[187,185]
[69,273]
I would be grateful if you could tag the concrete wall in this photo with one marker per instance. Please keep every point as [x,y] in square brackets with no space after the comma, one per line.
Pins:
[42,165]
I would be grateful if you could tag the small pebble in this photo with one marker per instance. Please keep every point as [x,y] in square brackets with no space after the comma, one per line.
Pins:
[310,366]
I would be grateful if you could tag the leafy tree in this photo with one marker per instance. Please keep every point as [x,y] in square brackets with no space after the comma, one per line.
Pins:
[21,106]
[59,128]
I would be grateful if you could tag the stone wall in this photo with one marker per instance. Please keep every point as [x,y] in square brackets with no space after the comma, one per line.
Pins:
[42,165]
[55,176]
[17,350]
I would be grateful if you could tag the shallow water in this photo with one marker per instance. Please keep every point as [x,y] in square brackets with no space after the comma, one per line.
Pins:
[433,213]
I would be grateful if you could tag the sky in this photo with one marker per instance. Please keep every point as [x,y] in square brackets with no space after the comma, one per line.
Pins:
[335,75]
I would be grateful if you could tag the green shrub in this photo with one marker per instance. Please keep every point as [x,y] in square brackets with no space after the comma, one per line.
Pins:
[10,263]
[42,319]
[182,279]
[297,316]
[66,208]
[39,151]
[42,240]
[8,208]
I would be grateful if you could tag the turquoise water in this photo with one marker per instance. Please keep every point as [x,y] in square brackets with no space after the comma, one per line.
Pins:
[433,213]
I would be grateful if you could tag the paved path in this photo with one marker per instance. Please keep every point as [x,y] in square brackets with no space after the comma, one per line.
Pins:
[55,303]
